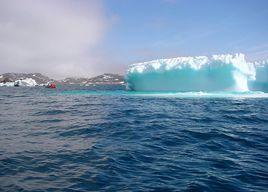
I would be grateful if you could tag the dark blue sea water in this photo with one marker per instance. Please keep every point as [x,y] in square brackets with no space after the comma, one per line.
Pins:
[107,139]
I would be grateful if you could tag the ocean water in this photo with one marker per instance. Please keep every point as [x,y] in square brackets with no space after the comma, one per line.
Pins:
[104,138]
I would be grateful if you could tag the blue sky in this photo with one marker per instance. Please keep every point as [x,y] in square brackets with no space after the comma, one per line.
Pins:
[87,38]
[169,28]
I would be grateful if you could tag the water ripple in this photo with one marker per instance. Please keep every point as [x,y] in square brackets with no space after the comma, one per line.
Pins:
[85,142]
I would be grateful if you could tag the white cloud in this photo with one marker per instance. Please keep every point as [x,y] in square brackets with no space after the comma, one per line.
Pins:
[56,37]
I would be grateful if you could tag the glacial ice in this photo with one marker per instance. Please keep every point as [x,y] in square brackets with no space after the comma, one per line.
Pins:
[201,73]
[261,81]
[28,82]
[7,84]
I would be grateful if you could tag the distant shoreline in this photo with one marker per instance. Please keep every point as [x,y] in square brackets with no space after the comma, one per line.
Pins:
[37,79]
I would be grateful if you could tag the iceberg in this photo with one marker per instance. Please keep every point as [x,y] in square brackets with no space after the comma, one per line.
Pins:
[261,81]
[201,73]
[28,82]
[7,84]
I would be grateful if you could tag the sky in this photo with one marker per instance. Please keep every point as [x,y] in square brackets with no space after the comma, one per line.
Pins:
[62,38]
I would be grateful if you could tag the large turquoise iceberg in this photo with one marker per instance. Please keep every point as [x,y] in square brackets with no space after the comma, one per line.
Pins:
[201,73]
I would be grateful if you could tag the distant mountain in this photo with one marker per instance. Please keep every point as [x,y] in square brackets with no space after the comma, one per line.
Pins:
[73,80]
[106,78]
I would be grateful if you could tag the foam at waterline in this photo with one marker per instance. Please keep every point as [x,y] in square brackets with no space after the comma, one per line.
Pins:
[217,73]
[200,94]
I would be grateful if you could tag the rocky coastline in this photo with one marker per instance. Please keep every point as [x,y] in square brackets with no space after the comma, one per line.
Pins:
[37,79]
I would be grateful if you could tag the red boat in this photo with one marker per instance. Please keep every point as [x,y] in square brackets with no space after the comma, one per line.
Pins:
[51,86]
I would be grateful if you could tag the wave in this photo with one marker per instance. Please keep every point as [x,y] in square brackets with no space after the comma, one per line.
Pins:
[201,73]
